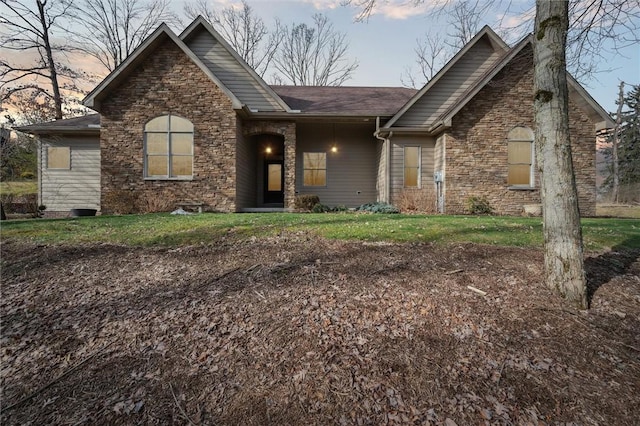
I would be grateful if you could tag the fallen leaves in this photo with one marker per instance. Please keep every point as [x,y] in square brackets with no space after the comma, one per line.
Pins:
[309,332]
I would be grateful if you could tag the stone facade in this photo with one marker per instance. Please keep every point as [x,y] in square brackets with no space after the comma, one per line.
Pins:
[287,129]
[476,145]
[168,82]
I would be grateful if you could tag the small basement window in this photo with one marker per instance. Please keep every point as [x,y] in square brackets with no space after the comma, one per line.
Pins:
[59,157]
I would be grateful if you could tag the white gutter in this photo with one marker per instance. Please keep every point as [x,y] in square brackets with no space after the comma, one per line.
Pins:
[387,167]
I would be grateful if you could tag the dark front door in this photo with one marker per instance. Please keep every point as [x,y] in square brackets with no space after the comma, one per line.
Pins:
[273,182]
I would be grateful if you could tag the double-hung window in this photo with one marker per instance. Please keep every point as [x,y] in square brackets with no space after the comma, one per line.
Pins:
[520,157]
[168,148]
[315,168]
[411,166]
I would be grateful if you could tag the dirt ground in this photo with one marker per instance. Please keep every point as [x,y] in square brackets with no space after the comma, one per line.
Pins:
[292,330]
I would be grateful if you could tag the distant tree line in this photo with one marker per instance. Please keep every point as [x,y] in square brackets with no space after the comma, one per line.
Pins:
[623,152]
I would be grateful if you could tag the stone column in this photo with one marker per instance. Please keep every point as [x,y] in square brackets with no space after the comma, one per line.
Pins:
[289,132]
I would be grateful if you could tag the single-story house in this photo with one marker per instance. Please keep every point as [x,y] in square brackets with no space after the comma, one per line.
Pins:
[184,120]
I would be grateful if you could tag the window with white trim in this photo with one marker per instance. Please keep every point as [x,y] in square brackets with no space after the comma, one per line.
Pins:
[411,166]
[315,168]
[520,157]
[168,148]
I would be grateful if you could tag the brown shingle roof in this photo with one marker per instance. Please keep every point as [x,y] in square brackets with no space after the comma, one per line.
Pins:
[345,100]
[90,123]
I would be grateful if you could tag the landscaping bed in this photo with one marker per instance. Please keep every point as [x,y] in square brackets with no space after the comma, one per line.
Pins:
[296,329]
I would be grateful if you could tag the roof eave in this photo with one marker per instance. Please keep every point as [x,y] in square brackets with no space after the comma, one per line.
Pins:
[42,131]
[293,115]
[606,121]
[428,131]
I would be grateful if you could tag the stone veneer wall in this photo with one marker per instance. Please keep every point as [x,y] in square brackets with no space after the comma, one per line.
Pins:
[287,129]
[169,82]
[476,145]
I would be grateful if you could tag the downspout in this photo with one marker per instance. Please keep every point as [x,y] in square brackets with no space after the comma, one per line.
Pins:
[387,167]
[39,171]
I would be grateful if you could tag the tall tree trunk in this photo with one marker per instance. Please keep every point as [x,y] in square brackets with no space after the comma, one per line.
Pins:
[616,143]
[563,250]
[57,98]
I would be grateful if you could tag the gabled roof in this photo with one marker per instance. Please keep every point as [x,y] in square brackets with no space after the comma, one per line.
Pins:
[580,95]
[248,76]
[586,101]
[92,100]
[485,33]
[345,100]
[479,84]
[87,124]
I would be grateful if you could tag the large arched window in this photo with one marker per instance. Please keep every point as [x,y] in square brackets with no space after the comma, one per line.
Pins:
[520,157]
[168,148]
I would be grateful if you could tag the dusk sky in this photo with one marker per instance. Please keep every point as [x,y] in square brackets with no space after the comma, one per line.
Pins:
[384,44]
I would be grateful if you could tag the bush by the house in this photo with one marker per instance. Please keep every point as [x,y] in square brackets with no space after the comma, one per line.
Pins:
[306,201]
[377,208]
[479,205]
[155,203]
[416,200]
[120,202]
[320,208]
[20,204]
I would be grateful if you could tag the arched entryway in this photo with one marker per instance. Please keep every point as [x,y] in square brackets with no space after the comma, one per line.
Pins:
[270,173]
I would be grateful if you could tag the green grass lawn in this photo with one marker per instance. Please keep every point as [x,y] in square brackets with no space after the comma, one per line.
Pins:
[618,210]
[168,230]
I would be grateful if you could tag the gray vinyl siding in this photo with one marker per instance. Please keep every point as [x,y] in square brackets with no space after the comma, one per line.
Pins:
[427,145]
[233,75]
[77,187]
[351,172]
[381,163]
[246,193]
[469,68]
[440,164]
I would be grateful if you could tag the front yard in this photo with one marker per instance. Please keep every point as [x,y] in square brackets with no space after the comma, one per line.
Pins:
[169,230]
[313,319]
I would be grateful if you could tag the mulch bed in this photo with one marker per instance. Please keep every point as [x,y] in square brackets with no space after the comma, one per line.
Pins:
[296,330]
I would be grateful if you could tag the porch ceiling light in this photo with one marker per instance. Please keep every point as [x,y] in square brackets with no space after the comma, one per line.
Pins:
[268,150]
[334,149]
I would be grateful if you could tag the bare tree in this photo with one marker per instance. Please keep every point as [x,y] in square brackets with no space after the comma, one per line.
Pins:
[116,27]
[244,30]
[433,51]
[28,28]
[464,19]
[431,55]
[314,55]
[598,28]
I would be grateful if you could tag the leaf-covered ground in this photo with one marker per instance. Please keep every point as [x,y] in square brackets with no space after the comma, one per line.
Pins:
[299,330]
